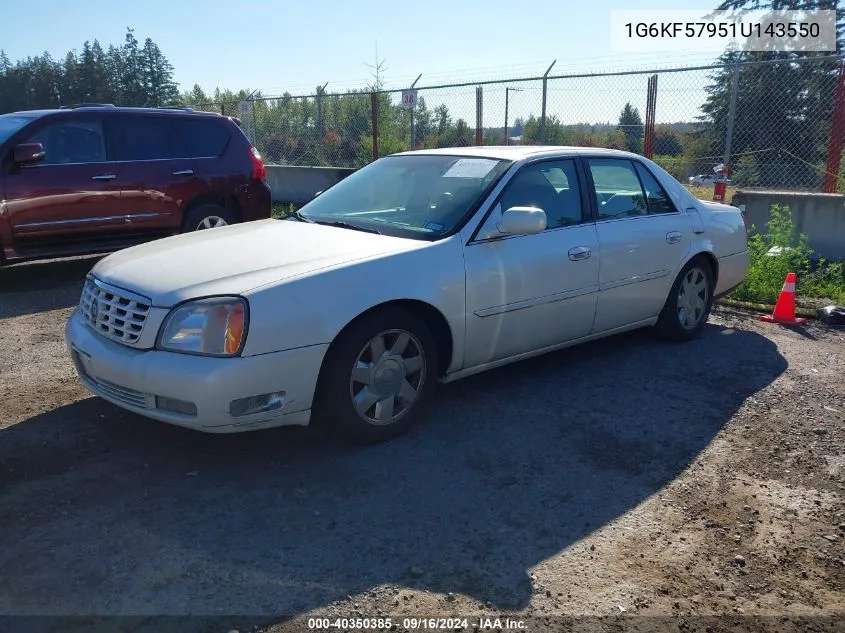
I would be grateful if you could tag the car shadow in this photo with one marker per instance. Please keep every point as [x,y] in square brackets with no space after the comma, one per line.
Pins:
[112,514]
[40,286]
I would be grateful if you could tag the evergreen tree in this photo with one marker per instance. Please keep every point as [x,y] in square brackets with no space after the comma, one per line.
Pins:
[631,125]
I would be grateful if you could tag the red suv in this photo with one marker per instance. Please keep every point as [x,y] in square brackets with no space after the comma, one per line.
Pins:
[96,178]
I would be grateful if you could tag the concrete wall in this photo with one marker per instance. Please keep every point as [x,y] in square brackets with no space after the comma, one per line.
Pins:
[821,216]
[297,185]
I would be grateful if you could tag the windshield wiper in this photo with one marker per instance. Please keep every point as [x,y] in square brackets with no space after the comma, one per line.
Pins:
[345,225]
[299,216]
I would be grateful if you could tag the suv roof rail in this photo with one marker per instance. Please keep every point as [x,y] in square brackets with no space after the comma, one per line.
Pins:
[177,107]
[87,105]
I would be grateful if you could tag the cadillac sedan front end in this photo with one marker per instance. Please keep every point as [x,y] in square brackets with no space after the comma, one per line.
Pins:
[184,365]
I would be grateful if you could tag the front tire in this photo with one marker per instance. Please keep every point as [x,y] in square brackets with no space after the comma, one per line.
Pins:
[379,377]
[688,305]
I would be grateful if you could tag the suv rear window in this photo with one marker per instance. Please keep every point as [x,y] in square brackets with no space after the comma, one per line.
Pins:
[139,138]
[204,139]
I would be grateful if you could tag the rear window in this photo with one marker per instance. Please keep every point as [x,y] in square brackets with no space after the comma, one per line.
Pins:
[140,138]
[204,139]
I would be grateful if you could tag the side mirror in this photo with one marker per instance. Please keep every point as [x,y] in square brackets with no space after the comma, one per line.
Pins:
[522,221]
[27,153]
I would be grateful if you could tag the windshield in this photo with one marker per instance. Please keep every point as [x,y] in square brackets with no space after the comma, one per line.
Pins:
[415,196]
[11,123]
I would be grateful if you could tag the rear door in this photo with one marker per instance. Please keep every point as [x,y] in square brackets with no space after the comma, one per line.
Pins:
[207,141]
[643,239]
[73,190]
[158,176]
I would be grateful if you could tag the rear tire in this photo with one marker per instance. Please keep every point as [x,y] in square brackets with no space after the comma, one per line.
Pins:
[207,216]
[378,378]
[688,305]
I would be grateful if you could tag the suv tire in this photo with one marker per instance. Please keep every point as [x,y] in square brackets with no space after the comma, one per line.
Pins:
[207,216]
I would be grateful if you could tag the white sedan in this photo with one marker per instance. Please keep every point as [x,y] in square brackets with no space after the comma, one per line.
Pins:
[421,267]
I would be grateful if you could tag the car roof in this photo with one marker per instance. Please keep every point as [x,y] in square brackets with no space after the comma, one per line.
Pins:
[111,108]
[517,152]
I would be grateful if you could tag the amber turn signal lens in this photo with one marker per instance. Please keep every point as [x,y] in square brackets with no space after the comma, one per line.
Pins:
[234,329]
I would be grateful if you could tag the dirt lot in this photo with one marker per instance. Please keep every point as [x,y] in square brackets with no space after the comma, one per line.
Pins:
[621,479]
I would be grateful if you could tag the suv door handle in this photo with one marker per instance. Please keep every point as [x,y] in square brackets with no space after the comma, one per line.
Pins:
[673,237]
[104,177]
[579,252]
[184,172]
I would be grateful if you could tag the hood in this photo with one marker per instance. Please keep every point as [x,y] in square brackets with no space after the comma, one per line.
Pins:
[236,258]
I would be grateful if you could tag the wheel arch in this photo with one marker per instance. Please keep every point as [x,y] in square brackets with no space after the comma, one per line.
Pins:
[228,202]
[706,255]
[433,317]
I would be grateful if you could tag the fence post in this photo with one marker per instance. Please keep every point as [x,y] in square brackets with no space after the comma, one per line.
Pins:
[374,116]
[223,108]
[651,104]
[479,124]
[837,132]
[413,107]
[543,113]
[252,125]
[731,116]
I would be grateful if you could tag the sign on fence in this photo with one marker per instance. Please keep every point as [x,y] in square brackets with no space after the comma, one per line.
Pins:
[243,106]
[409,99]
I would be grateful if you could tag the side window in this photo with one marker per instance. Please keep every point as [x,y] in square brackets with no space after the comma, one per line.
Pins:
[657,199]
[205,139]
[72,142]
[619,193]
[551,186]
[139,138]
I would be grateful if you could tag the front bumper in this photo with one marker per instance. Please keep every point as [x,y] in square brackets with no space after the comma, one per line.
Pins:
[141,380]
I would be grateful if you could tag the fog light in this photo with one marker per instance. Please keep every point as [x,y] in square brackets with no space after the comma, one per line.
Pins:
[257,404]
[177,406]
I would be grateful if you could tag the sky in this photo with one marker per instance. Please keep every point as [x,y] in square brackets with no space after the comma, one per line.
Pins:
[281,46]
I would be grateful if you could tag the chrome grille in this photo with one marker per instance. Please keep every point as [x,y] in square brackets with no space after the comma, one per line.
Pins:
[114,313]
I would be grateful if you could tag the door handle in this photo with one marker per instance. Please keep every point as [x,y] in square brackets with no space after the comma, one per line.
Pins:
[579,252]
[104,177]
[673,237]
[184,172]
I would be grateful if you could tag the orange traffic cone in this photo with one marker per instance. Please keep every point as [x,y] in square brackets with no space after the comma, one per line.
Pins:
[784,311]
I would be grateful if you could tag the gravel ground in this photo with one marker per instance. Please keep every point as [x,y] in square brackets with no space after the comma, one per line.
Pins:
[619,479]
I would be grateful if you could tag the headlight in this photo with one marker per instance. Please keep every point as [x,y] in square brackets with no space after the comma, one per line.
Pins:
[214,327]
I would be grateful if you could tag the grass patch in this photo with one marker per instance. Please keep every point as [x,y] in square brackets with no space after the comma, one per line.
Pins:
[819,281]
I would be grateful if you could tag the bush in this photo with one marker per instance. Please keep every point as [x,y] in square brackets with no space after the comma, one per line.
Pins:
[792,253]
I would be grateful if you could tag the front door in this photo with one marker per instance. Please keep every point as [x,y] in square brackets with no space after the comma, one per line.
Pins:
[528,292]
[644,239]
[73,190]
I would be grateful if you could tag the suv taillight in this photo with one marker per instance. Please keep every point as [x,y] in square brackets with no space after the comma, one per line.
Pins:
[259,171]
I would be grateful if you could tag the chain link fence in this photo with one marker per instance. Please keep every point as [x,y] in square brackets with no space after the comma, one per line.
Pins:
[771,121]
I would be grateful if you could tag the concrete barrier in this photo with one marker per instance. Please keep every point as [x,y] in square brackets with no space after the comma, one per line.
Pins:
[820,216]
[291,184]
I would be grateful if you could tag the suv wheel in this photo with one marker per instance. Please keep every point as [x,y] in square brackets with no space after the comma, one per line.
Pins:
[207,216]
